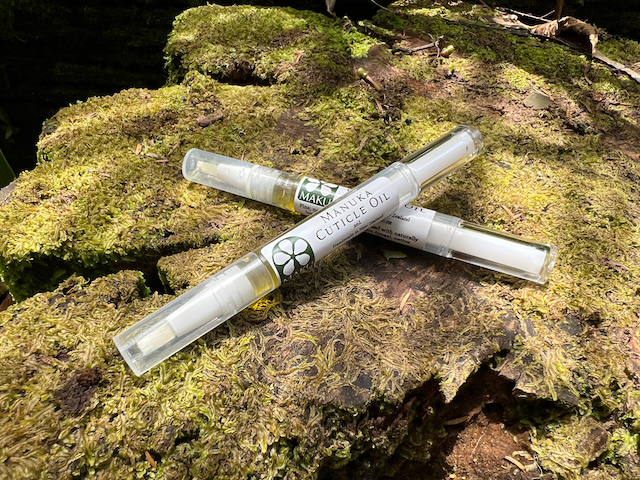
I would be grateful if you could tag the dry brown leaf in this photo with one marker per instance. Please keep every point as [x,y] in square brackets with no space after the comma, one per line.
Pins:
[572,31]
[206,120]
[549,29]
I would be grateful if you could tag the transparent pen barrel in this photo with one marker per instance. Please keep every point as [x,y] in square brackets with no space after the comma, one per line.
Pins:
[500,251]
[259,183]
[194,313]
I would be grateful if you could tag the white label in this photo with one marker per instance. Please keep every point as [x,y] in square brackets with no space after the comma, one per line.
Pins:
[317,236]
[408,225]
[313,195]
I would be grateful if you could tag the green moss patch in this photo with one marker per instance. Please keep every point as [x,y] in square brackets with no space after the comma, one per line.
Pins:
[245,45]
[93,202]
[359,364]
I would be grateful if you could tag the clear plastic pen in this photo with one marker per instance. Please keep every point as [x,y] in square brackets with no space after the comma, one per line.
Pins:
[410,225]
[212,302]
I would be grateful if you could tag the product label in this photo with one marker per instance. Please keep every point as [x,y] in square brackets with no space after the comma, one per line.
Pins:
[318,235]
[312,195]
[409,225]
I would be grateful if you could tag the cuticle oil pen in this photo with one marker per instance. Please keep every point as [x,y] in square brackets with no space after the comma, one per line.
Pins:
[213,301]
[410,225]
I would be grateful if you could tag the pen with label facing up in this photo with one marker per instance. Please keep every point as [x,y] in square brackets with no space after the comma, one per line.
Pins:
[215,300]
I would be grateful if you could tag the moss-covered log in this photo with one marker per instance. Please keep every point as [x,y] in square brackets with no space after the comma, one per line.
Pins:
[364,366]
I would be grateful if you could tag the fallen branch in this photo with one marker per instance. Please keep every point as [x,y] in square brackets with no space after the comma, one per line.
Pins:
[526,15]
[435,44]
[612,64]
[617,66]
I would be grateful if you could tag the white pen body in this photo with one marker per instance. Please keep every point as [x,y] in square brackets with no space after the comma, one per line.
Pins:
[212,302]
[191,315]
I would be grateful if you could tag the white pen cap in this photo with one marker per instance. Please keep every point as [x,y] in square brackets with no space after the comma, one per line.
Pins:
[235,176]
[500,251]
[442,156]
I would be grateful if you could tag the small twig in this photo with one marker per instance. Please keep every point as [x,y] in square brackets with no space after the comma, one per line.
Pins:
[548,13]
[436,42]
[299,54]
[410,51]
[511,214]
[516,463]
[382,7]
[363,74]
[516,31]
[150,459]
[623,104]
[477,443]
[539,90]
[174,147]
[413,50]
[526,15]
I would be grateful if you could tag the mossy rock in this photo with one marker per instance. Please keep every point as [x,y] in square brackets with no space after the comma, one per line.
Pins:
[363,365]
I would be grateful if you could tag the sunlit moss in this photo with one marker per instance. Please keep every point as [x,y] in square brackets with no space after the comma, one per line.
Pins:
[516,76]
[270,44]
[113,205]
[622,50]
[315,376]
[568,447]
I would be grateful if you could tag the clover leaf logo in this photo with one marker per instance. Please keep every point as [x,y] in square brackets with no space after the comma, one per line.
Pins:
[292,255]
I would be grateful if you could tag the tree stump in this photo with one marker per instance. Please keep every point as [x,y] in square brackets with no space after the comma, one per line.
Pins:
[364,366]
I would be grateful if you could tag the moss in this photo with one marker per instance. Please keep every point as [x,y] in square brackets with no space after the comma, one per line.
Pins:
[225,401]
[355,360]
[550,60]
[242,44]
[41,355]
[570,446]
[89,215]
